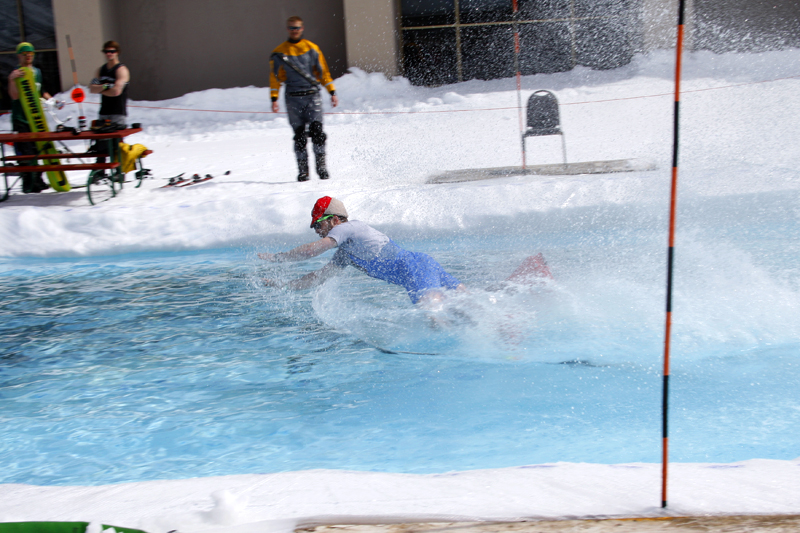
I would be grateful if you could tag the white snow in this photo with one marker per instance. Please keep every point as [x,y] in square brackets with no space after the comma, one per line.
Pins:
[280,502]
[740,122]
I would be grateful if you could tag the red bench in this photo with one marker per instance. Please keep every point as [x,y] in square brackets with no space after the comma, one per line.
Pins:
[113,139]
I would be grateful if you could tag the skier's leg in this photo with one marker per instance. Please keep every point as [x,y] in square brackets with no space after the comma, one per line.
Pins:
[295,106]
[29,181]
[301,153]
[318,138]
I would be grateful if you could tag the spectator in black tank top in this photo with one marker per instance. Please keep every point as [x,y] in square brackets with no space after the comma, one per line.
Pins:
[112,84]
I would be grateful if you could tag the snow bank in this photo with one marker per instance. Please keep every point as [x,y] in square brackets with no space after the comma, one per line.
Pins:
[379,161]
[280,502]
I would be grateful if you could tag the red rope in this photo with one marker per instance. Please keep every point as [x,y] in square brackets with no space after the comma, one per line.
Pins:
[463,110]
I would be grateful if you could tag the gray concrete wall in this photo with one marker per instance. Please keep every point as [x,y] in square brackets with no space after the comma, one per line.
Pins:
[173,47]
[373,35]
[89,23]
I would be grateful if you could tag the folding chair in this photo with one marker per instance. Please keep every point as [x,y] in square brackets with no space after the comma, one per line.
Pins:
[543,119]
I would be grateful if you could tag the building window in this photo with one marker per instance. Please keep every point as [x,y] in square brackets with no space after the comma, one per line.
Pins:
[446,41]
[31,21]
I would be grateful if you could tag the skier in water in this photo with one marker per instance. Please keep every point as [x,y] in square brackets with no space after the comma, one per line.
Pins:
[370,251]
[299,64]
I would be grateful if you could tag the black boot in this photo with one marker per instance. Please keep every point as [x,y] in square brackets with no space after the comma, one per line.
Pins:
[318,138]
[302,165]
[27,183]
[40,184]
[322,170]
[300,152]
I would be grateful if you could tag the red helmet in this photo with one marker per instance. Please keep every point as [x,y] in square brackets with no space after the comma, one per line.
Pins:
[327,206]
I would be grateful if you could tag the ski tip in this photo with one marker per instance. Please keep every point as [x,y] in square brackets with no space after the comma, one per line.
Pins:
[532,267]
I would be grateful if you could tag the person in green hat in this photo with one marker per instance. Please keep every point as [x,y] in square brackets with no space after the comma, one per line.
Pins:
[31,181]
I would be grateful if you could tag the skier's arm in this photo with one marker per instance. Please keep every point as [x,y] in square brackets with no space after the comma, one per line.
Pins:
[306,251]
[123,77]
[277,75]
[309,280]
[274,86]
[323,74]
[12,85]
[95,86]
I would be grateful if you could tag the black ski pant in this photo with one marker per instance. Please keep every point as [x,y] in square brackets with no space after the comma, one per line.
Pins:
[31,181]
[305,117]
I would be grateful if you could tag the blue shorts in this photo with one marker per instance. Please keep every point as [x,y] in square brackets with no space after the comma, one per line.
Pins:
[425,274]
[416,272]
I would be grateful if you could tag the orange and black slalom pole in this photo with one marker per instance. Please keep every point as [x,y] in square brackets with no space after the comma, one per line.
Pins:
[671,256]
[77,93]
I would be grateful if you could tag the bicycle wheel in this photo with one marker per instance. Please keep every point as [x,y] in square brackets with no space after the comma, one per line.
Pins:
[118,178]
[100,187]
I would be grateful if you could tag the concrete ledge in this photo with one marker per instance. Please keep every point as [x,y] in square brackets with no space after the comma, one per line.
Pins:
[569,169]
[684,524]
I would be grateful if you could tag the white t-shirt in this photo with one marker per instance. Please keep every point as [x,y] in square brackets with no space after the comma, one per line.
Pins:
[358,239]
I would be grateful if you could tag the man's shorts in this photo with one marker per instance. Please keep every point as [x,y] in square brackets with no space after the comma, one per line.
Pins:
[416,272]
[424,274]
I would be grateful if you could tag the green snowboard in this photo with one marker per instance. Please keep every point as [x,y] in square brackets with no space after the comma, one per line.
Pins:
[31,103]
[56,527]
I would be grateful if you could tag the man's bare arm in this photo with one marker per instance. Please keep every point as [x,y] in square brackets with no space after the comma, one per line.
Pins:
[311,279]
[305,251]
[123,77]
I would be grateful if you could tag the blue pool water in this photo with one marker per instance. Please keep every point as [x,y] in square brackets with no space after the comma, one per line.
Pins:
[161,366]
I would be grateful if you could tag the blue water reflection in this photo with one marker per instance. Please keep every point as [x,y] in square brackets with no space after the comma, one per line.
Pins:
[159,366]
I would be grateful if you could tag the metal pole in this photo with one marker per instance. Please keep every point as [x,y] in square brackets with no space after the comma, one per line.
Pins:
[459,62]
[519,77]
[81,116]
[671,254]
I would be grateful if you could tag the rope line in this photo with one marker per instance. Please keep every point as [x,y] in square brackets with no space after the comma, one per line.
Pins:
[660,95]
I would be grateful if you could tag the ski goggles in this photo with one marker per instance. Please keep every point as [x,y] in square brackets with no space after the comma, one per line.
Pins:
[294,28]
[110,51]
[321,219]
